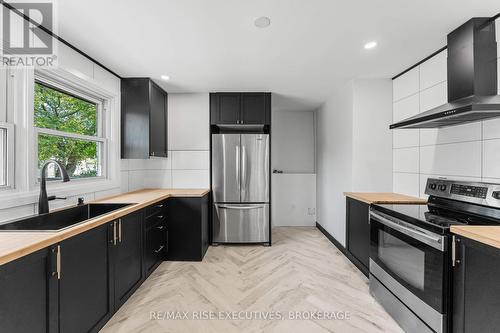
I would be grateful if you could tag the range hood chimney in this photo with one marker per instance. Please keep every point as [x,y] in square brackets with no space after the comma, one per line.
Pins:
[472,79]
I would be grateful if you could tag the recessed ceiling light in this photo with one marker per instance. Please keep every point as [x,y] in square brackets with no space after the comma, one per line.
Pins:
[370,45]
[262,22]
[165,77]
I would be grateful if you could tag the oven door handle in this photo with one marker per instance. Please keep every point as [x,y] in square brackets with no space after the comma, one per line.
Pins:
[436,242]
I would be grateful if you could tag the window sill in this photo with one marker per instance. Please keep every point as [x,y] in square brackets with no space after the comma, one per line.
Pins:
[13,198]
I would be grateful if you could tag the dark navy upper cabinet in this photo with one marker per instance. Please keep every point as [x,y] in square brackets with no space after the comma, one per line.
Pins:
[143,119]
[240,108]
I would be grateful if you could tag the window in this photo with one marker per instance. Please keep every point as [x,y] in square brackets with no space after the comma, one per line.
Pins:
[6,155]
[69,129]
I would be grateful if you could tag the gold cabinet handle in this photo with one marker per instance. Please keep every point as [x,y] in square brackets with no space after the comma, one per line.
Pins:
[58,262]
[159,206]
[160,227]
[160,217]
[119,230]
[114,233]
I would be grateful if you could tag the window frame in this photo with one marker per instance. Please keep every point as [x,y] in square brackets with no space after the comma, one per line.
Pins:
[10,162]
[81,92]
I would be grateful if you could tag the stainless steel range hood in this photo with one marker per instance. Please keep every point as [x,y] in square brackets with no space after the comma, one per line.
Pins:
[472,79]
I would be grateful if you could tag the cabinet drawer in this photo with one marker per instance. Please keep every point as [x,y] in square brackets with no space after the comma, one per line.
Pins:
[158,208]
[156,246]
[159,217]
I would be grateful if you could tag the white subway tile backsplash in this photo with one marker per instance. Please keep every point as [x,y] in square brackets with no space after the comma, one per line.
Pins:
[190,160]
[153,163]
[136,179]
[405,108]
[405,160]
[406,85]
[456,159]
[434,70]
[16,212]
[461,133]
[406,183]
[190,179]
[465,152]
[107,193]
[434,96]
[491,158]
[405,138]
[491,129]
[158,179]
[124,175]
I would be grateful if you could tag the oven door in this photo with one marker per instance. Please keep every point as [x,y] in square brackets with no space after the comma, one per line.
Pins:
[410,262]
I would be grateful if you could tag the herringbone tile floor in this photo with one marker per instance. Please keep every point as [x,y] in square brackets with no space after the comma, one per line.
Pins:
[301,273]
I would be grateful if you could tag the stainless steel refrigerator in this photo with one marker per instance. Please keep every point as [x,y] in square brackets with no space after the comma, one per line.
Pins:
[240,187]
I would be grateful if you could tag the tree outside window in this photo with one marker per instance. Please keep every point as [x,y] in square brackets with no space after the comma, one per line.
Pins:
[67,131]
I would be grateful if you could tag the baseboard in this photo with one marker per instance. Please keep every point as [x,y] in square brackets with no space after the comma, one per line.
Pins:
[331,239]
[344,251]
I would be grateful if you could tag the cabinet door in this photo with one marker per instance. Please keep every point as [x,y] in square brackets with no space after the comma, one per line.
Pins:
[255,109]
[158,122]
[28,294]
[358,227]
[84,285]
[127,257]
[228,108]
[476,298]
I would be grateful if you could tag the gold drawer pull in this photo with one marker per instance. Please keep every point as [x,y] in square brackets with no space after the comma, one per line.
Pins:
[160,216]
[160,227]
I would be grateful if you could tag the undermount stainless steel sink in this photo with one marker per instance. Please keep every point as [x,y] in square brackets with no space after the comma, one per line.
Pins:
[61,219]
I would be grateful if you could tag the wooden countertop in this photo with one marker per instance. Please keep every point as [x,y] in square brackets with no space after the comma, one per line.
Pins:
[384,198]
[486,234]
[16,244]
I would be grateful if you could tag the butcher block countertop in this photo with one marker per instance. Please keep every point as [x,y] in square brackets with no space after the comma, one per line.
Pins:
[486,234]
[16,244]
[384,198]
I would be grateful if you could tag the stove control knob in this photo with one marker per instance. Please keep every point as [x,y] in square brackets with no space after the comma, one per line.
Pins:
[432,186]
[442,188]
[496,194]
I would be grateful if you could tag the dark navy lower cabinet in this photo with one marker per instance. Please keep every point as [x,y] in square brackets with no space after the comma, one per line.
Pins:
[85,303]
[29,294]
[188,237]
[78,284]
[476,287]
[127,257]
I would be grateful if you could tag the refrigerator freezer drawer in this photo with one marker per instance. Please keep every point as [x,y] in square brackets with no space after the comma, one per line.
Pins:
[241,223]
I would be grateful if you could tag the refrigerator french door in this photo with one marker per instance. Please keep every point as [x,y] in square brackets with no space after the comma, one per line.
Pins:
[240,186]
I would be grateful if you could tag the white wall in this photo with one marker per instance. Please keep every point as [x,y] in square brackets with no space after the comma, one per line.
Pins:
[353,148]
[334,160]
[293,141]
[293,193]
[372,153]
[188,162]
[470,151]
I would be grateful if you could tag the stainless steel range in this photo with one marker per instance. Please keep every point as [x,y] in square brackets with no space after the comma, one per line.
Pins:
[411,251]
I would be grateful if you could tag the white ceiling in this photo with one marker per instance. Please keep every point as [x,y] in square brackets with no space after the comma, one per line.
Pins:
[311,47]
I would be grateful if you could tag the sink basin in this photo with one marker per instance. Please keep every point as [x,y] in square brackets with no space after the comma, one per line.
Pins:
[60,219]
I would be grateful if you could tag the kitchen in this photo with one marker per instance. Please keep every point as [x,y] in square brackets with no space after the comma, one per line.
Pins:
[170,188]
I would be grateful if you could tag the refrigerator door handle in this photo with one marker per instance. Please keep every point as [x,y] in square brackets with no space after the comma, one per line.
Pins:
[243,169]
[238,167]
[241,207]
